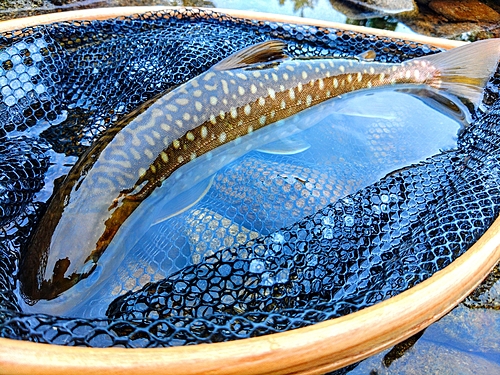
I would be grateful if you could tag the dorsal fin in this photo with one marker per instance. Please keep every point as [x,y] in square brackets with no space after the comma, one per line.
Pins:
[264,52]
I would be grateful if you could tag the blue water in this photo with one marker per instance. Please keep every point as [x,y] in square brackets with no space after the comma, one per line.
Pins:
[336,149]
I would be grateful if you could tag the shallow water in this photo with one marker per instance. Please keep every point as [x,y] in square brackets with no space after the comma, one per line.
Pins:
[273,186]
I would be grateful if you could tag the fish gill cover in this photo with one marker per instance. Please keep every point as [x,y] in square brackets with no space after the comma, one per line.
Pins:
[62,85]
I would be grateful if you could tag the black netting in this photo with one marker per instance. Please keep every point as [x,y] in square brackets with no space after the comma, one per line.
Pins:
[62,85]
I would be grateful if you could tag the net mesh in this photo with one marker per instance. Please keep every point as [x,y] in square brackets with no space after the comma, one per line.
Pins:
[62,85]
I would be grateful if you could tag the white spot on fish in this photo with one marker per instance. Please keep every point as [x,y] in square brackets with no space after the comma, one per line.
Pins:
[359,77]
[341,68]
[290,68]
[285,76]
[208,76]
[247,109]
[262,120]
[349,78]
[213,100]
[190,136]
[213,120]
[241,76]
[176,144]
[171,107]
[335,83]
[321,84]
[283,104]
[211,87]
[197,93]
[271,93]
[204,132]
[308,100]
[304,74]
[182,101]
[149,140]
[262,101]
[164,156]
[291,94]
[186,116]
[275,77]
[198,106]
[253,89]
[142,172]
[241,90]
[416,73]
[299,87]
[222,137]
[225,87]
[134,153]
[234,113]
[256,74]
[408,74]
[136,141]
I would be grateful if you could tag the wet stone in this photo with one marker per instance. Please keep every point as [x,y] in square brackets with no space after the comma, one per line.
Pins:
[427,357]
[464,10]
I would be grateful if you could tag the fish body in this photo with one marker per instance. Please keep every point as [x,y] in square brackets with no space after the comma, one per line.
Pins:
[249,91]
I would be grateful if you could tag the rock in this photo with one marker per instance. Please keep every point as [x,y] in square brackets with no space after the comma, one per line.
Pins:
[464,10]
[386,6]
[467,329]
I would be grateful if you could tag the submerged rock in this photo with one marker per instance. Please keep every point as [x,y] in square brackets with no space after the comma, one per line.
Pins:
[465,10]
[426,358]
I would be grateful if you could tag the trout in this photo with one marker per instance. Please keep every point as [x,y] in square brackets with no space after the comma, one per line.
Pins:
[138,164]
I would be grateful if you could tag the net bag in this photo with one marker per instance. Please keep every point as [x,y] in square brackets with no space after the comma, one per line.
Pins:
[63,85]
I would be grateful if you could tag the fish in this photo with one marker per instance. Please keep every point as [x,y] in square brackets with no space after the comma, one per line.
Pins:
[263,192]
[232,103]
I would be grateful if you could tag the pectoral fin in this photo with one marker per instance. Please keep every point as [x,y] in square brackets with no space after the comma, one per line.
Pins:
[183,201]
[286,146]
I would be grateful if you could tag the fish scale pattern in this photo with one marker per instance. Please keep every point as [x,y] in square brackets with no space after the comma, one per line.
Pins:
[62,85]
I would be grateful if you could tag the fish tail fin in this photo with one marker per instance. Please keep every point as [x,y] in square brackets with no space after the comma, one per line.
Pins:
[465,70]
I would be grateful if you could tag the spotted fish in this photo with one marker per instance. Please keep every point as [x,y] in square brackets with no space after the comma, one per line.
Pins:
[232,103]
